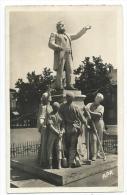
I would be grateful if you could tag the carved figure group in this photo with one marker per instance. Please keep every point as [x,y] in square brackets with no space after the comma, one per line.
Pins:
[61,126]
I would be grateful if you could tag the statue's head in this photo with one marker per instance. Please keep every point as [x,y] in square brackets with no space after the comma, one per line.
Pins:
[60,26]
[55,106]
[69,97]
[99,98]
[45,98]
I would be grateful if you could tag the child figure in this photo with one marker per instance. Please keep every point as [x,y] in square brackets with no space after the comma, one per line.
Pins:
[55,135]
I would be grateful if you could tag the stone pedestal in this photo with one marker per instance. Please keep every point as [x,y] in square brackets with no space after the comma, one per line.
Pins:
[96,174]
[60,96]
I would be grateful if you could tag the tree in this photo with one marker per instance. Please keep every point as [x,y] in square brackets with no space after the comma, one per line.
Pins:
[30,92]
[92,75]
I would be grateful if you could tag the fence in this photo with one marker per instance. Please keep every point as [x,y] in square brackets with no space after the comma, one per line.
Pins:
[24,150]
[110,144]
[31,148]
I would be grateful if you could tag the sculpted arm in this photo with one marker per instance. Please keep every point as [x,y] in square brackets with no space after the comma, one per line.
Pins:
[97,114]
[80,33]
[52,44]
[81,117]
[53,128]
[51,125]
[41,118]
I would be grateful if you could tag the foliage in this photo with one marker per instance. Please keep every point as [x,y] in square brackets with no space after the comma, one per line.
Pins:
[29,93]
[92,75]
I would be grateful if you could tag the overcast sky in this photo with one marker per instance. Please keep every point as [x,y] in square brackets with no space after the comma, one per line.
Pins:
[30,30]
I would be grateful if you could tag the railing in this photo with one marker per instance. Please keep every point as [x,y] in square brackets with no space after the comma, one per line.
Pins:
[31,148]
[24,150]
[110,144]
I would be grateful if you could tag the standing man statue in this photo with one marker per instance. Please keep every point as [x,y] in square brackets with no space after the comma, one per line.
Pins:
[73,120]
[42,124]
[60,42]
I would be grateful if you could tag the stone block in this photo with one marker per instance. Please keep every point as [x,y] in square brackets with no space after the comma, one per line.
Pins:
[60,96]
[64,176]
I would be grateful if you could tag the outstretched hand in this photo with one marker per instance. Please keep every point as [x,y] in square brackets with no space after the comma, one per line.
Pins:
[88,27]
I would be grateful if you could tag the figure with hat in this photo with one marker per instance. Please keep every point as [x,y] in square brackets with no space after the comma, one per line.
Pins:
[73,120]
[56,130]
[60,42]
[42,120]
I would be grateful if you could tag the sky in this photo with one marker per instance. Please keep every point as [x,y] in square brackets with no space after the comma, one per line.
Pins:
[30,29]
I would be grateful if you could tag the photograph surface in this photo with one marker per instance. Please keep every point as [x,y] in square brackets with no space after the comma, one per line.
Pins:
[64,86]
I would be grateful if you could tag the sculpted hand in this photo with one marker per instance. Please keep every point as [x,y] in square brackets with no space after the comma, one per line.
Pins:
[88,128]
[41,121]
[62,130]
[74,130]
[60,135]
[88,27]
[59,48]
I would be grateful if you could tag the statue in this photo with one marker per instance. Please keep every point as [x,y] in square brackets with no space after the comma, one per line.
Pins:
[60,42]
[73,120]
[96,111]
[42,120]
[56,130]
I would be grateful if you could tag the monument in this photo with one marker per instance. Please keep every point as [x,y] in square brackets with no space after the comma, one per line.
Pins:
[60,42]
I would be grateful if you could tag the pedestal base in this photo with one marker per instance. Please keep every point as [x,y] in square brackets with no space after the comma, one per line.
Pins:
[65,176]
[60,96]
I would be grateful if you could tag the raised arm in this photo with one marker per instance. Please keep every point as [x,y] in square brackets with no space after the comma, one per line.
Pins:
[98,114]
[80,33]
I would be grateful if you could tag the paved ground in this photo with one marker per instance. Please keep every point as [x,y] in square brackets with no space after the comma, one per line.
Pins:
[22,179]
[22,135]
